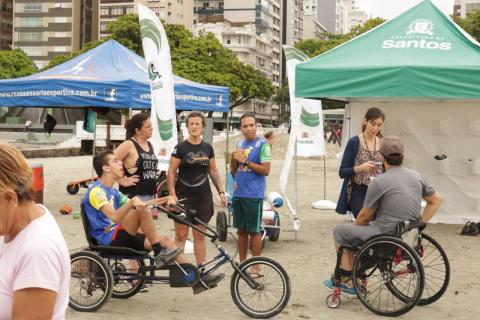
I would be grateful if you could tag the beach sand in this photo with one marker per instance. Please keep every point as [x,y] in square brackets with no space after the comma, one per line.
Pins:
[308,260]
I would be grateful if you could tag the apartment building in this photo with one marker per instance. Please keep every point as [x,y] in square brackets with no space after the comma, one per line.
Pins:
[204,9]
[170,11]
[44,29]
[6,25]
[461,8]
[330,14]
[353,16]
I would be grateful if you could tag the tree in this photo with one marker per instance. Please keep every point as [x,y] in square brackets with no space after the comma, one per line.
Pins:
[312,47]
[126,31]
[471,24]
[15,64]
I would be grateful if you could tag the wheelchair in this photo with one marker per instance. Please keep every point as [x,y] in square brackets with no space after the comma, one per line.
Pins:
[393,274]
[100,272]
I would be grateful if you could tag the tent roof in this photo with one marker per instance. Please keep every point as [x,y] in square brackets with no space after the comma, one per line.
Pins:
[420,54]
[109,75]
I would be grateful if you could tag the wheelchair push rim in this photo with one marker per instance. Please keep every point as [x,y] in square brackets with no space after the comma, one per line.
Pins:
[91,282]
[272,290]
[392,276]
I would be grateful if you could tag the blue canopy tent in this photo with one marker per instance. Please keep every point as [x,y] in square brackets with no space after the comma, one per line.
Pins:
[109,75]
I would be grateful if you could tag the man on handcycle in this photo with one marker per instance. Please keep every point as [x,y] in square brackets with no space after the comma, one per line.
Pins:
[115,220]
[392,197]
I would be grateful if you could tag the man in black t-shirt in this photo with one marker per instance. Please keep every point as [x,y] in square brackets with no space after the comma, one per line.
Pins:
[195,161]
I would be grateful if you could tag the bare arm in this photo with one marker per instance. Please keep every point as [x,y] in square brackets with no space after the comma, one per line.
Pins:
[433,203]
[238,158]
[233,164]
[122,153]
[172,171]
[364,216]
[33,303]
[214,175]
[118,215]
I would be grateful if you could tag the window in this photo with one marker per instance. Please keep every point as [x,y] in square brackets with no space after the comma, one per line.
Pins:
[32,51]
[30,36]
[103,26]
[117,11]
[239,39]
[206,4]
[130,10]
[61,49]
[32,8]
[31,22]
[104,11]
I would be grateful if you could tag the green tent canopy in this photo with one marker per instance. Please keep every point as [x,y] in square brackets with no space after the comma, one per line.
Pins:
[421,54]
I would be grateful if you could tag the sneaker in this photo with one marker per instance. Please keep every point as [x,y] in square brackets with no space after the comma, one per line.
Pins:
[348,292]
[207,282]
[166,255]
[328,284]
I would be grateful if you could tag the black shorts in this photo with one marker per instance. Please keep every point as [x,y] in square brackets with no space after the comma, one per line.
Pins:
[121,238]
[202,203]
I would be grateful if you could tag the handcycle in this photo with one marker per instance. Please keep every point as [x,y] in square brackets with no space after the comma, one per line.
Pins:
[393,274]
[99,272]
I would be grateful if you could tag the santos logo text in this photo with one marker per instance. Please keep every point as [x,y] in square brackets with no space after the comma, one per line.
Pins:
[422,44]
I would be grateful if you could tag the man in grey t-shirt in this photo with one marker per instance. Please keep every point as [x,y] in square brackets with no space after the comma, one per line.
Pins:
[392,197]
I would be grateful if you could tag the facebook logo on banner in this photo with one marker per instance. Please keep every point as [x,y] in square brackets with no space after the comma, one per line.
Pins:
[110,94]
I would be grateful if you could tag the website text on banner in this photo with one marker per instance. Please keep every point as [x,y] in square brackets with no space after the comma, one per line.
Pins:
[157,57]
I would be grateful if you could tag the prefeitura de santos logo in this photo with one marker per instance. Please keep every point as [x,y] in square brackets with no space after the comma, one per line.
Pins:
[419,35]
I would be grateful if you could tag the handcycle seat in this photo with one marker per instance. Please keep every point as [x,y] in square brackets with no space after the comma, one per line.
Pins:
[94,246]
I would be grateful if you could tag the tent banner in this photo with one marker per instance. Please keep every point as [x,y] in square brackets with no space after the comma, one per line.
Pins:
[159,65]
[306,117]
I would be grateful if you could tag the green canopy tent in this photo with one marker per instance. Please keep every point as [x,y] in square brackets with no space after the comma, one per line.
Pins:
[423,71]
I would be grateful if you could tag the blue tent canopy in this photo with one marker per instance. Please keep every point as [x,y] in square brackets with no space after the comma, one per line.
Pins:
[109,75]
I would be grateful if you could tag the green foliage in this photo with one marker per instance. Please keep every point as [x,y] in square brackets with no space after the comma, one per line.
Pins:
[313,47]
[471,24]
[126,31]
[15,64]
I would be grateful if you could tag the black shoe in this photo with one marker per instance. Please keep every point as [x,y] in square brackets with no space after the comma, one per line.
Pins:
[166,255]
[207,282]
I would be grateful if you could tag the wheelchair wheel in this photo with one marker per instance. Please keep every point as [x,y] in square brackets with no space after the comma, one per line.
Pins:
[270,296]
[391,274]
[222,228]
[437,269]
[91,281]
[275,232]
[127,277]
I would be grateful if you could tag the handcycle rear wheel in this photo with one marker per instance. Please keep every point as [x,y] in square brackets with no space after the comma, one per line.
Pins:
[272,293]
[437,269]
[127,277]
[394,276]
[91,281]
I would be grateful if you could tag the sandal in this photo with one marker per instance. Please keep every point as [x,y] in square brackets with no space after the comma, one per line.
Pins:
[470,229]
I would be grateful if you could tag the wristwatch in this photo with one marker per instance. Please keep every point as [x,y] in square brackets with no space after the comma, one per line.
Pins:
[246,163]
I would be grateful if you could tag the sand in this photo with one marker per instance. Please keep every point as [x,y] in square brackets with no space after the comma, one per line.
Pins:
[308,260]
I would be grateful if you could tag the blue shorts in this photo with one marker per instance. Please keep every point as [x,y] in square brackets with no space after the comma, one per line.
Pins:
[247,214]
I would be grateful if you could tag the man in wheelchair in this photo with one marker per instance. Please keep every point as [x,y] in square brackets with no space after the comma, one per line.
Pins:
[391,198]
[115,220]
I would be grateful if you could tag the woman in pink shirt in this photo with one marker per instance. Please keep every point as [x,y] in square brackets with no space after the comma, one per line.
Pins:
[34,260]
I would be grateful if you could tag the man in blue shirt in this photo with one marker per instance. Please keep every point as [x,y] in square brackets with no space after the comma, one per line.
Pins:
[115,220]
[250,165]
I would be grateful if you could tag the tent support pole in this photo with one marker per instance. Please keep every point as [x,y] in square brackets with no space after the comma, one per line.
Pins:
[296,184]
[94,139]
[227,152]
[324,177]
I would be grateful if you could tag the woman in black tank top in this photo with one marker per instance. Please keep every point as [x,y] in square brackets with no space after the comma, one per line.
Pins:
[139,160]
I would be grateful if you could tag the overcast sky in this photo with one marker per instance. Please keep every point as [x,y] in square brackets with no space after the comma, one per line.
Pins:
[388,9]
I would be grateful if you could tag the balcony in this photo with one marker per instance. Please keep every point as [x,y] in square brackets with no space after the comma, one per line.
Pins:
[209,11]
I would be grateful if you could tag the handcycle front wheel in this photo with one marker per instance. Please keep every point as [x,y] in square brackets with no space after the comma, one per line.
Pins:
[271,294]
[91,281]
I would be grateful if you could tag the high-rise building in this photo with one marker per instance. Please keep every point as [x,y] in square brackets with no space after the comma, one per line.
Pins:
[294,23]
[171,11]
[353,16]
[6,25]
[310,7]
[461,8]
[45,29]
[312,28]
[330,14]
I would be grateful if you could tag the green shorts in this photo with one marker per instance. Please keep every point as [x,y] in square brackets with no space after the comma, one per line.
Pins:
[247,214]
